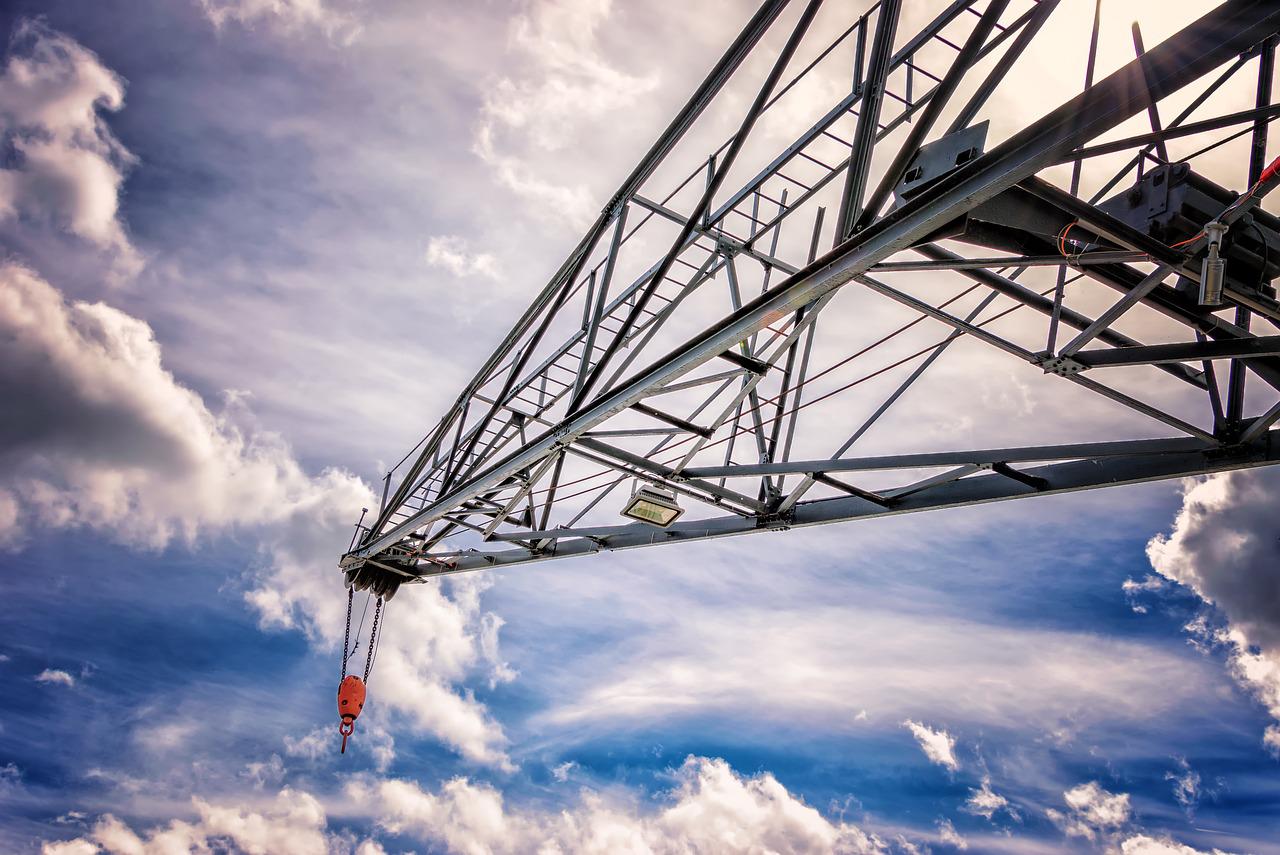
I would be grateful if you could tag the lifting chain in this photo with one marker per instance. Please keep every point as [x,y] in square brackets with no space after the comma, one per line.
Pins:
[346,638]
[373,636]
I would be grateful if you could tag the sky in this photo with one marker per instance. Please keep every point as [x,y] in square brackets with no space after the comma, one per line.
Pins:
[251,251]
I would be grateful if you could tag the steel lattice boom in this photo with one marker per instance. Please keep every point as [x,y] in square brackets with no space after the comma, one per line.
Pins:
[699,340]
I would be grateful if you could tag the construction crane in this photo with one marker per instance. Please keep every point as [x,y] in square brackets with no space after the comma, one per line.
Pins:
[743,339]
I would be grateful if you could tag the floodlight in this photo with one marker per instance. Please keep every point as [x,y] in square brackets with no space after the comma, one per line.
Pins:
[653,505]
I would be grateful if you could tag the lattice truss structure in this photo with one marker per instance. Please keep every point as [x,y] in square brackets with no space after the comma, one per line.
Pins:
[916,301]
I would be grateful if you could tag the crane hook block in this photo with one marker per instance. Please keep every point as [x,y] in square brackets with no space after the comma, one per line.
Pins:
[350,702]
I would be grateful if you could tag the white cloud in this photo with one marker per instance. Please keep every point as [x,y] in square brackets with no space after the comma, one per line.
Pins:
[110,440]
[710,809]
[311,746]
[69,167]
[985,802]
[10,778]
[453,254]
[290,15]
[293,824]
[565,82]
[1271,739]
[1132,589]
[561,772]
[1186,785]
[1091,811]
[938,745]
[1223,547]
[131,784]
[79,847]
[571,204]
[261,773]
[166,736]
[1148,583]
[321,742]
[55,676]
[1142,844]
[499,670]
[947,834]
[906,847]
[826,658]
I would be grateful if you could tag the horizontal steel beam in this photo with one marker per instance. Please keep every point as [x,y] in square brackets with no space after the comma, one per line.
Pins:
[1053,479]
[1189,129]
[961,263]
[1188,351]
[1172,445]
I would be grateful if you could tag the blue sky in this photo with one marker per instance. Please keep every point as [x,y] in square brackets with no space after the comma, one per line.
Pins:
[251,251]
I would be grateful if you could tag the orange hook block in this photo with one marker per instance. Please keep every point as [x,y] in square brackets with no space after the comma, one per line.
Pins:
[350,702]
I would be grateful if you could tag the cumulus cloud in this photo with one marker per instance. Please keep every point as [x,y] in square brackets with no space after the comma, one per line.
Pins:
[290,15]
[565,81]
[293,824]
[938,745]
[68,168]
[452,253]
[55,676]
[985,802]
[1091,811]
[1142,844]
[108,439]
[1224,546]
[710,809]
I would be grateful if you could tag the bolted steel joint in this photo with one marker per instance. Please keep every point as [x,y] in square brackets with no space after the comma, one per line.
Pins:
[1063,366]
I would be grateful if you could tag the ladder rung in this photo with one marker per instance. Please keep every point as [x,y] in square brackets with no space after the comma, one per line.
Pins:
[924,71]
[895,96]
[813,159]
[786,177]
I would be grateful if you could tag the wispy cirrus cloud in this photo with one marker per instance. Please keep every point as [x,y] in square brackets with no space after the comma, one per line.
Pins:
[340,25]
[823,661]
[564,82]
[453,254]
